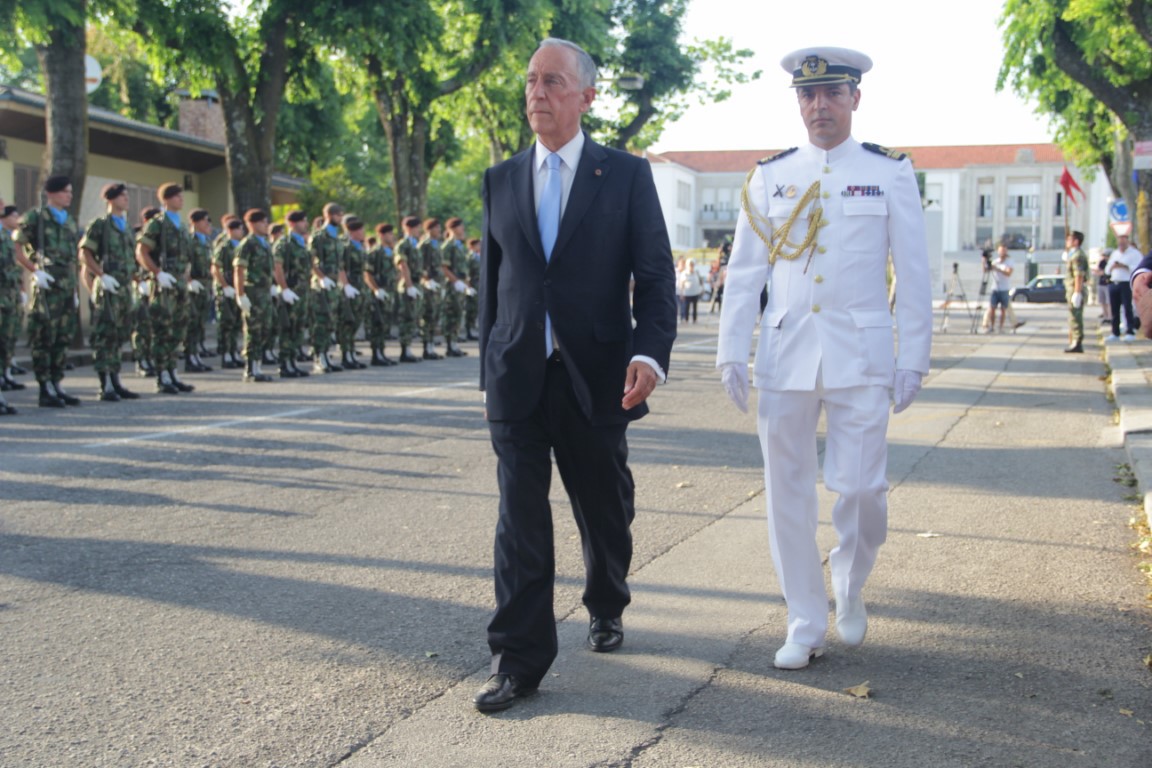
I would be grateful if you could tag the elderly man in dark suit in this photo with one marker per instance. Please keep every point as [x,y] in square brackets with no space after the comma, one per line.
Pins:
[567,225]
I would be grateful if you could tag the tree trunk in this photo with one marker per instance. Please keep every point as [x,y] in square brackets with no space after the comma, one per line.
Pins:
[249,170]
[66,112]
[407,142]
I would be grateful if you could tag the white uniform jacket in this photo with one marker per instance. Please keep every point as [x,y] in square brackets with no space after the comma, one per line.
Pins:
[831,309]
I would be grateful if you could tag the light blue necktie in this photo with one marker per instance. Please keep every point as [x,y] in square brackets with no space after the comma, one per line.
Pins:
[548,220]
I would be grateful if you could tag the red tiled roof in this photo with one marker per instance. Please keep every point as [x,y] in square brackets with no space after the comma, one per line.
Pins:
[924,158]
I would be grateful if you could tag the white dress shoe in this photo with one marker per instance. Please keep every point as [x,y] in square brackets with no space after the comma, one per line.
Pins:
[851,620]
[796,656]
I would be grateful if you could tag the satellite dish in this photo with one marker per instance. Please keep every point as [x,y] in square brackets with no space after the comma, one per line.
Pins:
[93,74]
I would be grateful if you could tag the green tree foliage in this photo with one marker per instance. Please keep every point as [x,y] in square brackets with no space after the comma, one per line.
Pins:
[129,84]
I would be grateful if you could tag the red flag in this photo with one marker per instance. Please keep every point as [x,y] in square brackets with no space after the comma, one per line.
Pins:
[1069,184]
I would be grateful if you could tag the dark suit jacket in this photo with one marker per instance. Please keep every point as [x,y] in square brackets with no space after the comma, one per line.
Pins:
[612,230]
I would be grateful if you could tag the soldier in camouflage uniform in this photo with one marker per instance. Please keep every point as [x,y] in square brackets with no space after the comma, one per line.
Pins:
[253,266]
[409,296]
[141,311]
[472,300]
[293,265]
[227,312]
[454,257]
[164,248]
[433,287]
[199,278]
[352,298]
[11,296]
[11,277]
[380,279]
[48,239]
[108,253]
[1076,288]
[327,253]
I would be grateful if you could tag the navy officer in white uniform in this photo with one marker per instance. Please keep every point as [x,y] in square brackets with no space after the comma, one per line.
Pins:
[818,223]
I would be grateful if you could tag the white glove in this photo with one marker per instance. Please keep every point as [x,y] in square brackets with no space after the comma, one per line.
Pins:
[289,296]
[380,294]
[43,279]
[195,286]
[327,283]
[905,389]
[471,291]
[109,283]
[76,299]
[273,290]
[432,285]
[165,280]
[145,287]
[734,377]
[350,291]
[413,292]
[245,304]
[1078,299]
[460,286]
[23,298]
[229,292]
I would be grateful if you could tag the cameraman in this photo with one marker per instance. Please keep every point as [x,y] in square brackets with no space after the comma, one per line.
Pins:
[1001,270]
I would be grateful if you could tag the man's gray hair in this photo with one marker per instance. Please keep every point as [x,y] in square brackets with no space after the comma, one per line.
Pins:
[585,67]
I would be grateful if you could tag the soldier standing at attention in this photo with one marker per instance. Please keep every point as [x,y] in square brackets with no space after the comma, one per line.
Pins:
[351,292]
[433,286]
[472,299]
[107,252]
[455,265]
[253,266]
[293,264]
[48,237]
[327,251]
[164,248]
[411,272]
[11,297]
[141,308]
[227,313]
[1076,287]
[380,278]
[199,273]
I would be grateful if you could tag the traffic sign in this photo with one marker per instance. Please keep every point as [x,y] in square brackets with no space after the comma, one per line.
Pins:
[1118,211]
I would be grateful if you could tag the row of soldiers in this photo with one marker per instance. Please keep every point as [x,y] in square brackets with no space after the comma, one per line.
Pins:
[153,286]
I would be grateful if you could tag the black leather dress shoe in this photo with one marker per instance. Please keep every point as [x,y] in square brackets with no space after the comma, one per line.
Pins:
[605,635]
[1075,348]
[501,692]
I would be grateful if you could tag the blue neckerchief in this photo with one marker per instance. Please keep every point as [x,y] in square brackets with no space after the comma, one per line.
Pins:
[60,216]
[201,237]
[118,221]
[299,238]
[387,251]
[174,217]
[332,230]
[263,242]
[435,242]
[234,242]
[413,240]
[459,242]
[359,245]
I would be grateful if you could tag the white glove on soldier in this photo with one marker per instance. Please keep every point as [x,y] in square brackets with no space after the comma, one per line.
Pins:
[229,292]
[413,292]
[109,283]
[23,298]
[350,291]
[289,296]
[195,286]
[245,304]
[460,286]
[273,290]
[145,288]
[734,377]
[380,294]
[43,279]
[905,389]
[165,280]
[432,285]
[327,283]
[1078,299]
[471,291]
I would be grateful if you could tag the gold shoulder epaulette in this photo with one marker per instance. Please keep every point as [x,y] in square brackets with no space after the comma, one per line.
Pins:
[889,153]
[776,156]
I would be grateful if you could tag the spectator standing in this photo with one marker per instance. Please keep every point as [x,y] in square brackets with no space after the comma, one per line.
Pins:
[1119,269]
[1102,281]
[691,286]
[1001,270]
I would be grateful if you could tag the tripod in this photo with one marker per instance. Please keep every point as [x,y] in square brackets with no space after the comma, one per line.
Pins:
[955,292]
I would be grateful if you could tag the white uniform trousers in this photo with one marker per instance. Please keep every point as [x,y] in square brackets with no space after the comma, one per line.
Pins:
[855,462]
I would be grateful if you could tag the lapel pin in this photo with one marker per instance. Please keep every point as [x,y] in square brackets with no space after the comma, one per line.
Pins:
[791,191]
[597,171]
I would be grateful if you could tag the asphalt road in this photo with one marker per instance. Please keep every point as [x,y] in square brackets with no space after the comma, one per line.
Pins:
[298,574]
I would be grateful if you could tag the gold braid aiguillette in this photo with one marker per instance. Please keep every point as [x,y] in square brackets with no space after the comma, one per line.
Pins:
[778,241]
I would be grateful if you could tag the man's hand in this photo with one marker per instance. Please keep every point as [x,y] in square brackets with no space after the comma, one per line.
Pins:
[195,286]
[109,283]
[1140,285]
[43,279]
[905,389]
[245,304]
[165,280]
[229,292]
[734,377]
[327,283]
[1078,299]
[638,384]
[288,296]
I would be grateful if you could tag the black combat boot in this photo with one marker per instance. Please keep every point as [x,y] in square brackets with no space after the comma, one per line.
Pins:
[108,392]
[406,355]
[430,353]
[144,368]
[455,351]
[64,396]
[179,384]
[48,396]
[378,358]
[252,373]
[164,384]
[124,392]
[287,371]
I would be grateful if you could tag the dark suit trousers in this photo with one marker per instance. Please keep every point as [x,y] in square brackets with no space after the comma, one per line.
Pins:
[593,464]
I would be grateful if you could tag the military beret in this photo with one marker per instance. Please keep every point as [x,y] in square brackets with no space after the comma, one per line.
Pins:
[198,214]
[253,215]
[429,223]
[821,66]
[8,211]
[453,222]
[56,183]
[169,191]
[296,216]
[352,223]
[411,221]
[113,191]
[234,223]
[383,229]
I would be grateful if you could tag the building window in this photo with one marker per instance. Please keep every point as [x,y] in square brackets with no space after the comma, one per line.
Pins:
[683,196]
[1059,204]
[984,207]
[683,236]
[1022,206]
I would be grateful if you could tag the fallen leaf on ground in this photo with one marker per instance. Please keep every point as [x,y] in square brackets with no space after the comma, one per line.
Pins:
[431,654]
[861,691]
[1020,675]
[1126,712]
[929,535]
[684,484]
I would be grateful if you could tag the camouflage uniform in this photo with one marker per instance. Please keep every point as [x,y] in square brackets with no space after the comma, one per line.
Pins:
[380,265]
[472,301]
[52,319]
[11,312]
[255,256]
[431,260]
[351,309]
[327,252]
[410,309]
[1077,265]
[227,313]
[454,255]
[112,245]
[198,302]
[170,246]
[293,257]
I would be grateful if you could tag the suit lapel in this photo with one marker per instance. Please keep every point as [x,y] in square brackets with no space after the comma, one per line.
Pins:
[522,179]
[590,177]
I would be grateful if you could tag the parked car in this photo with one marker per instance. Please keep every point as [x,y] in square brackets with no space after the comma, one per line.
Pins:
[1041,289]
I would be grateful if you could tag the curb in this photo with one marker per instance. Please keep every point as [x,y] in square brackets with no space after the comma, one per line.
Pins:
[1132,393]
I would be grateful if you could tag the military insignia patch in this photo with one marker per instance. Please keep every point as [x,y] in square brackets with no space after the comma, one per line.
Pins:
[889,153]
[777,156]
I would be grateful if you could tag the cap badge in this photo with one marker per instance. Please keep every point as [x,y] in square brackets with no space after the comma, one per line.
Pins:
[814,66]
